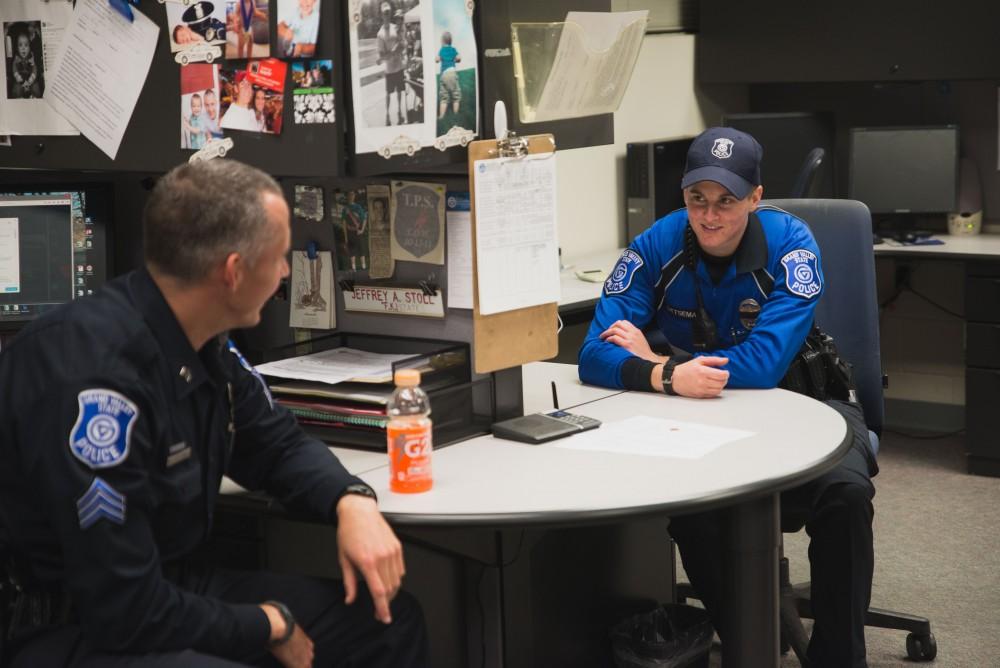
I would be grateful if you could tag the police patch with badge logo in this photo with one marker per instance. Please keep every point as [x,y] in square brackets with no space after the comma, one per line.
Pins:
[100,438]
[802,273]
[621,276]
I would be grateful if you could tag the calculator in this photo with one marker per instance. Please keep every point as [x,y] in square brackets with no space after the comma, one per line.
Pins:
[542,427]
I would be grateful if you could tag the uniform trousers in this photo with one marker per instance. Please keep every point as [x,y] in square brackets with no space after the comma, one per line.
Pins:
[839,513]
[344,636]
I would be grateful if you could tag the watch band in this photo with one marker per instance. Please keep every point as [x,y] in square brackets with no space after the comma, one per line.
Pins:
[668,375]
[286,615]
[360,489]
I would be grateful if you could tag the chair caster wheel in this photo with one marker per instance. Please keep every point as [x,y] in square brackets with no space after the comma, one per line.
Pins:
[921,648]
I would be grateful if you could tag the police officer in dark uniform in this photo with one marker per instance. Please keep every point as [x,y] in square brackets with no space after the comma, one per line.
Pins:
[120,414]
[733,287]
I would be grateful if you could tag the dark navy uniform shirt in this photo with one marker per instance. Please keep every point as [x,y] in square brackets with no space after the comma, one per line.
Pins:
[763,306]
[114,437]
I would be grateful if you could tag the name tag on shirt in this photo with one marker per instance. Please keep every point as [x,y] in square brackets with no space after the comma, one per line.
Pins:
[177,453]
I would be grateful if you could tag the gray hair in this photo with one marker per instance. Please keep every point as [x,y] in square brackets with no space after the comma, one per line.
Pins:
[198,213]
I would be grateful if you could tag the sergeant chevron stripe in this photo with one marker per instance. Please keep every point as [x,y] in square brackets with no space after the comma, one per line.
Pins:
[101,500]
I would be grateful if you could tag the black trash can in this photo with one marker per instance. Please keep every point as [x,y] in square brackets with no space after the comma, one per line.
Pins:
[669,636]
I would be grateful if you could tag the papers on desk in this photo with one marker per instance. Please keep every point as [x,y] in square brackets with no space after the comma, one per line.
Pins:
[335,366]
[654,437]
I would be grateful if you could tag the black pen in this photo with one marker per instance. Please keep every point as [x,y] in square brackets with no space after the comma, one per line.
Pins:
[555,398]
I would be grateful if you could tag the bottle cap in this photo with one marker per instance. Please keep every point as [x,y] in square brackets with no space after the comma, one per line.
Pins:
[407,378]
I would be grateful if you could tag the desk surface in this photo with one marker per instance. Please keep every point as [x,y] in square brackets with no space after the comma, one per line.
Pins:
[976,246]
[575,293]
[488,481]
[355,461]
[536,387]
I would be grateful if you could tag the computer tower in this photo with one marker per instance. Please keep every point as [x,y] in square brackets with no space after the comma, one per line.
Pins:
[787,138]
[653,172]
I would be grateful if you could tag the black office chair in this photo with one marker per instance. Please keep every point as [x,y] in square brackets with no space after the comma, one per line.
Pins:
[807,173]
[848,311]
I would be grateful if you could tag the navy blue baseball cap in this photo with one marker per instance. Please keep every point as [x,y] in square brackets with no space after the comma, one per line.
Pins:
[727,156]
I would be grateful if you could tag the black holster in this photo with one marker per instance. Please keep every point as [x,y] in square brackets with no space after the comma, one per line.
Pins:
[819,371]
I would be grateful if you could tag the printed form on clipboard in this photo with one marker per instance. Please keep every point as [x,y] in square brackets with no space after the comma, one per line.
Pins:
[517,245]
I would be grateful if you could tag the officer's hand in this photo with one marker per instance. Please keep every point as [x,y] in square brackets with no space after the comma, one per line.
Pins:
[626,335]
[297,651]
[699,378]
[366,542]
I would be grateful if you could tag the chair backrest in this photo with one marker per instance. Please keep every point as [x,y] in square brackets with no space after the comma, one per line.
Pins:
[807,173]
[848,309]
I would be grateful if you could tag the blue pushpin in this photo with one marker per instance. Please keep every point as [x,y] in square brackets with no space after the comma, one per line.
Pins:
[312,250]
[123,8]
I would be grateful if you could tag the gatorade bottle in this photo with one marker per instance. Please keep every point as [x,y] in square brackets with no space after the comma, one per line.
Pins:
[409,433]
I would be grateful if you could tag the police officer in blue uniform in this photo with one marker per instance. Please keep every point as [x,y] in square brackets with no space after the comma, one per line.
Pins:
[120,414]
[732,287]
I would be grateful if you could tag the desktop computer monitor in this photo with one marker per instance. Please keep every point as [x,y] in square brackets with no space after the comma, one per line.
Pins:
[787,139]
[905,170]
[53,247]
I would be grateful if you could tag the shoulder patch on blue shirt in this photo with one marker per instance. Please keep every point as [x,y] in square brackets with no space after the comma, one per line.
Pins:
[101,501]
[100,438]
[621,276]
[802,273]
[249,367]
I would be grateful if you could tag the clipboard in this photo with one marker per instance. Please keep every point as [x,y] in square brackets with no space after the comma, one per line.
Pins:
[509,338]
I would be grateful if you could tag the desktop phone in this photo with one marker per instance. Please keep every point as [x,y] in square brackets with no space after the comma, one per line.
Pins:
[542,427]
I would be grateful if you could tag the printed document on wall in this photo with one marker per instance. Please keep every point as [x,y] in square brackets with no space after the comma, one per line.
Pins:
[101,71]
[517,248]
[32,34]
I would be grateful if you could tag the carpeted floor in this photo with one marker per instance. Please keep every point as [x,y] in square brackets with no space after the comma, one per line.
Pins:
[937,553]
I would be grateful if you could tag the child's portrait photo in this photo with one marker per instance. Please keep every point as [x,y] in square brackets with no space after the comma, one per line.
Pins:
[23,59]
[298,28]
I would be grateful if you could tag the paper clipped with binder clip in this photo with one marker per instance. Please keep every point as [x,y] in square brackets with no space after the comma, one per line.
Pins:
[515,263]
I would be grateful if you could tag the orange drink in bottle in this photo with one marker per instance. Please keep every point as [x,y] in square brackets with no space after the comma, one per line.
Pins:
[409,435]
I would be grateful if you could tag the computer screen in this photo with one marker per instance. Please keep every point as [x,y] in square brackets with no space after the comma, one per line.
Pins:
[53,247]
[787,138]
[905,169]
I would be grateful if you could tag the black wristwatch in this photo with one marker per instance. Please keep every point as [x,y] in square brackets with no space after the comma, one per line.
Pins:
[286,615]
[668,375]
[360,489]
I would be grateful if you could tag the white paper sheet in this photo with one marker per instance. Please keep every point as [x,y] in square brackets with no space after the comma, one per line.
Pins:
[517,248]
[334,366]
[47,22]
[654,437]
[101,71]
[459,225]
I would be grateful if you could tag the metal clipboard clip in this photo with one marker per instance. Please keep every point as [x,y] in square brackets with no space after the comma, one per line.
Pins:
[510,145]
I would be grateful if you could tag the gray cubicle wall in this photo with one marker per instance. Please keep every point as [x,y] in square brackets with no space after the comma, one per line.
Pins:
[152,139]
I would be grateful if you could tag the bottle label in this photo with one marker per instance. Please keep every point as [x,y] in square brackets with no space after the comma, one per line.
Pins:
[410,449]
